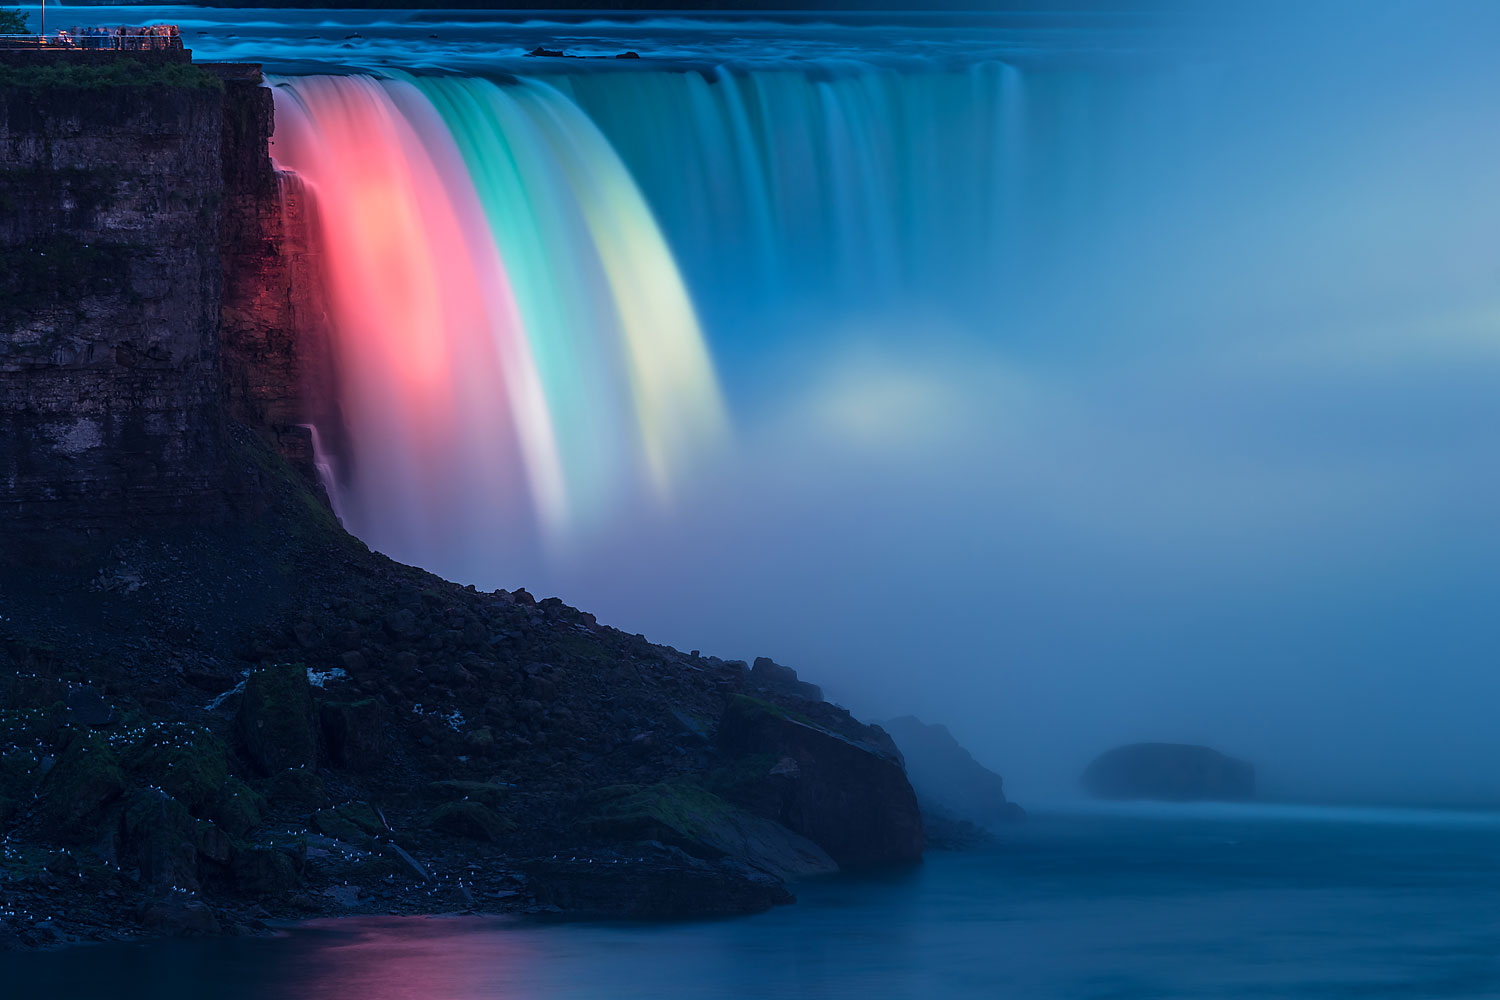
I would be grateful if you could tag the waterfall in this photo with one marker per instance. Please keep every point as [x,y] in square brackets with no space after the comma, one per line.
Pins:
[511,338]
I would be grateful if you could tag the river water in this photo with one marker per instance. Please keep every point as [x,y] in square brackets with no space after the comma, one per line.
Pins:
[1224,902]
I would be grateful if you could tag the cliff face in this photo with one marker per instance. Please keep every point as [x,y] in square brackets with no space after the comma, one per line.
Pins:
[204,719]
[273,340]
[153,282]
[109,300]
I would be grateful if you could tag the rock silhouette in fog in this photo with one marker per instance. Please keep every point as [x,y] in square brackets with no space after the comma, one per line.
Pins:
[1173,772]
[948,780]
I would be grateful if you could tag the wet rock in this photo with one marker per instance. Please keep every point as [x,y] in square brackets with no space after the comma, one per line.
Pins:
[705,826]
[161,837]
[237,808]
[772,676]
[470,819]
[849,797]
[353,822]
[276,720]
[402,623]
[490,793]
[79,789]
[180,918]
[213,843]
[354,732]
[1176,772]
[20,774]
[664,886]
[189,762]
[87,707]
[264,871]
[296,788]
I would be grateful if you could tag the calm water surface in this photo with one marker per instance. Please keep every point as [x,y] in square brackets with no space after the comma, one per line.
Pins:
[1169,903]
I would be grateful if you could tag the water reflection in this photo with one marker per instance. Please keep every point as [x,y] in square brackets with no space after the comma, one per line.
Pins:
[1257,903]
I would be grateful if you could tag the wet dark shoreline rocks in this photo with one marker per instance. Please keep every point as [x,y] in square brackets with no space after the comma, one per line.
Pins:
[273,723]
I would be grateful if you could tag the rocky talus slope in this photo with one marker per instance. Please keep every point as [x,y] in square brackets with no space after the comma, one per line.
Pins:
[208,727]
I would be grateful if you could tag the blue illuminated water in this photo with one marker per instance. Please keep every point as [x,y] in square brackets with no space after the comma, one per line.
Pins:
[1239,902]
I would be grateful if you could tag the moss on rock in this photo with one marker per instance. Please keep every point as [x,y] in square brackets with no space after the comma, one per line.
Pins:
[78,790]
[469,819]
[237,808]
[189,762]
[277,723]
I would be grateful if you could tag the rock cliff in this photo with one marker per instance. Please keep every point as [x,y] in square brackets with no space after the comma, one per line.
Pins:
[109,297]
[216,706]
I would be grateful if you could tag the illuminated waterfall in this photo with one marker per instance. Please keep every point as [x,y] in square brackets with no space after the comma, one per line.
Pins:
[510,333]
[513,341]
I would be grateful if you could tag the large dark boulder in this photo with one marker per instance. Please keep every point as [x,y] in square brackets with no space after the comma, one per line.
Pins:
[848,796]
[354,732]
[162,839]
[702,824]
[950,783]
[80,788]
[769,675]
[1174,772]
[277,722]
[662,884]
[470,820]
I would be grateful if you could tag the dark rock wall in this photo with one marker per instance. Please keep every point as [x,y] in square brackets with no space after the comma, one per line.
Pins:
[157,276]
[277,375]
[109,303]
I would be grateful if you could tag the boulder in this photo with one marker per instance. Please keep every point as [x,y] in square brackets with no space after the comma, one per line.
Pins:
[664,884]
[354,732]
[237,808]
[949,782]
[80,788]
[352,822]
[1174,772]
[296,788]
[769,675]
[491,793]
[189,762]
[849,797]
[276,721]
[179,917]
[162,838]
[87,707]
[471,820]
[705,826]
[265,871]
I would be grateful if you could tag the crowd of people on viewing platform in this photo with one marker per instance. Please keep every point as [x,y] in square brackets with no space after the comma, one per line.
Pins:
[150,36]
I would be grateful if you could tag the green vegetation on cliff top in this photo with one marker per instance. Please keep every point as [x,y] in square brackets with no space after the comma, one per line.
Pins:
[106,76]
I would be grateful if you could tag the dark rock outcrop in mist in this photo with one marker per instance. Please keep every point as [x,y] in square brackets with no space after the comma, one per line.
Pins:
[960,798]
[1172,772]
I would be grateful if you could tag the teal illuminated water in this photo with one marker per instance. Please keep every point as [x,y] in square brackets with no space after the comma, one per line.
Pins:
[1254,902]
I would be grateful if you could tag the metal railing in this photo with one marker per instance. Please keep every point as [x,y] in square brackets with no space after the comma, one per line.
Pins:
[117,39]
